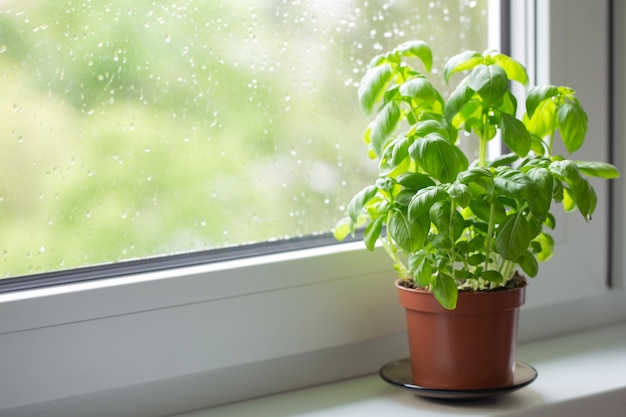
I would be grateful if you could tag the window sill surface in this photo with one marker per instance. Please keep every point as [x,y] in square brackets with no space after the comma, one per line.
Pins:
[580,374]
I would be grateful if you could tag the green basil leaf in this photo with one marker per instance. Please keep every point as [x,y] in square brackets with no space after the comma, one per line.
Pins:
[598,169]
[476,243]
[462,273]
[514,70]
[372,233]
[489,81]
[395,158]
[515,135]
[538,145]
[373,85]
[546,243]
[569,200]
[492,276]
[428,126]
[440,214]
[441,241]
[392,93]
[538,94]
[463,61]
[420,265]
[476,259]
[482,210]
[445,291]
[509,104]
[542,122]
[573,125]
[438,157]
[420,89]
[566,171]
[457,101]
[585,197]
[383,126]
[513,237]
[542,199]
[404,197]
[505,159]
[479,176]
[356,205]
[461,193]
[417,49]
[409,235]
[343,228]
[529,264]
[400,150]
[461,247]
[512,183]
[414,180]
[424,199]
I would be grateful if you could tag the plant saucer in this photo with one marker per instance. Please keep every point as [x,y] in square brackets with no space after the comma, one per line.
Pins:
[398,373]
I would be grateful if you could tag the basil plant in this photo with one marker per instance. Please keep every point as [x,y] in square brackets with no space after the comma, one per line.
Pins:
[448,223]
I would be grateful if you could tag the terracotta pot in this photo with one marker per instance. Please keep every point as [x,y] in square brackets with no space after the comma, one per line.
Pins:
[471,347]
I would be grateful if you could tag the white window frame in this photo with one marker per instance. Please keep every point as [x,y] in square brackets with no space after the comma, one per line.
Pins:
[170,341]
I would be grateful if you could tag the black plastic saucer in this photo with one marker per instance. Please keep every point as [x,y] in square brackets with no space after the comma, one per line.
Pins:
[398,373]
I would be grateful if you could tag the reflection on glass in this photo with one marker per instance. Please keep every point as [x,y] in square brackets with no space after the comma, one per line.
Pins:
[133,129]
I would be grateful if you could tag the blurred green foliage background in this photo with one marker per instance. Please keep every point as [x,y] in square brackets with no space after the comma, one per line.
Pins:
[131,129]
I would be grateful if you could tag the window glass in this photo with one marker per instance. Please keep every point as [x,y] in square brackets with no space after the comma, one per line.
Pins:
[133,129]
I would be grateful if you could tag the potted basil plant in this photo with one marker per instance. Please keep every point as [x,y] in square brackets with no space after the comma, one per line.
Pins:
[461,234]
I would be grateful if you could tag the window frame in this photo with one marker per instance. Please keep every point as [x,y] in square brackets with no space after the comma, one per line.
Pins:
[176,339]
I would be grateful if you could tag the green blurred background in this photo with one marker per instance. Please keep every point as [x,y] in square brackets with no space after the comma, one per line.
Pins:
[131,129]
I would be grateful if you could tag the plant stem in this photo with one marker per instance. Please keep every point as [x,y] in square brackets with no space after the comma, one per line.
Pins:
[482,154]
[451,233]
[392,251]
[482,150]
[404,79]
[508,268]
[552,131]
[490,226]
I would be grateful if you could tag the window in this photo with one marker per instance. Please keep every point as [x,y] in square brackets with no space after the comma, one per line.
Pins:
[171,340]
[140,129]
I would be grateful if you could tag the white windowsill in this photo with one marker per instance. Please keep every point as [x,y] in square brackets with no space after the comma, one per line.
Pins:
[580,374]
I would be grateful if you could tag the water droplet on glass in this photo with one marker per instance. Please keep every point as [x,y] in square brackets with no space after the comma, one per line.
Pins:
[3,49]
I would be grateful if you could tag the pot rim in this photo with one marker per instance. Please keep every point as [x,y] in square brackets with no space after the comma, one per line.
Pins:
[468,301]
